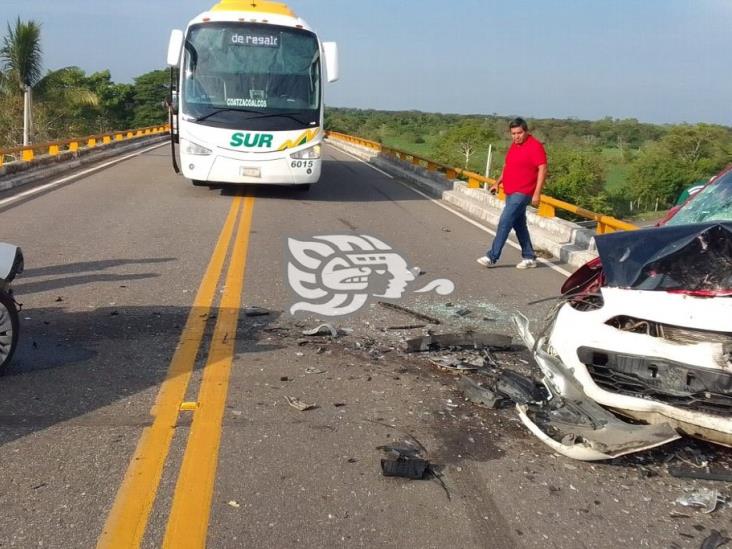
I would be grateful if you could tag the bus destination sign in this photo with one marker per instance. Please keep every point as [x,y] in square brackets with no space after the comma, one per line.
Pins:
[254,39]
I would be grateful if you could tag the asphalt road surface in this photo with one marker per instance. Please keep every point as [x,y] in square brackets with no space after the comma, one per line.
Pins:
[145,407]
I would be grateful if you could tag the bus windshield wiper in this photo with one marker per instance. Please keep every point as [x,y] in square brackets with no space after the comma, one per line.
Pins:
[228,109]
[291,116]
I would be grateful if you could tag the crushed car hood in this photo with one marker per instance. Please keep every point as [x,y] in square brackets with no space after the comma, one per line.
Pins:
[694,258]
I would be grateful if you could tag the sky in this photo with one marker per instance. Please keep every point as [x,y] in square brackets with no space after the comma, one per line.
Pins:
[663,61]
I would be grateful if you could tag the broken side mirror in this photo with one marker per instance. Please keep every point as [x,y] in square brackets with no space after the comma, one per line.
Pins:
[174,47]
[330,51]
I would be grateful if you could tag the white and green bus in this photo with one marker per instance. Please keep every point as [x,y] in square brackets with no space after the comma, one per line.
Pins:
[248,106]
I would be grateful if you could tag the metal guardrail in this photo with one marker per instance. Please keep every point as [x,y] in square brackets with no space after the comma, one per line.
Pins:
[28,153]
[548,205]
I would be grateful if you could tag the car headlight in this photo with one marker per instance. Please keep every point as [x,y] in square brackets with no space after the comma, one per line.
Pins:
[311,153]
[196,149]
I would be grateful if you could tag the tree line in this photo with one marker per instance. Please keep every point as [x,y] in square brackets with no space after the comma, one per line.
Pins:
[68,102]
[612,166]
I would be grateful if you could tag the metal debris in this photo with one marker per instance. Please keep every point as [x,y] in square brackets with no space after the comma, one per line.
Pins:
[468,340]
[323,329]
[312,370]
[299,404]
[415,314]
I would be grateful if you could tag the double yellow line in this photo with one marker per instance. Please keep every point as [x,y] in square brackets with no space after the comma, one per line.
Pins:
[189,515]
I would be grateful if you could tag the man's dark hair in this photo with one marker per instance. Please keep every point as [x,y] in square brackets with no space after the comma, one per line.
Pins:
[518,123]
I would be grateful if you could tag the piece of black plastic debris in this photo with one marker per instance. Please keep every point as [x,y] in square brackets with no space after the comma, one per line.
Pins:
[463,312]
[715,539]
[256,311]
[407,327]
[339,404]
[59,299]
[479,395]
[700,474]
[520,389]
[469,340]
[413,468]
[284,378]
[415,314]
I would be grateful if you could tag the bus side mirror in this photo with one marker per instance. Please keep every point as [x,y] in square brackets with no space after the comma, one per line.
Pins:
[174,47]
[330,49]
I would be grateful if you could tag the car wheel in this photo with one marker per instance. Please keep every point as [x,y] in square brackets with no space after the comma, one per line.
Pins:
[8,329]
[304,187]
[199,183]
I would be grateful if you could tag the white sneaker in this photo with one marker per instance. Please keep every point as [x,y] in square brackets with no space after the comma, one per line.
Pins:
[526,264]
[486,261]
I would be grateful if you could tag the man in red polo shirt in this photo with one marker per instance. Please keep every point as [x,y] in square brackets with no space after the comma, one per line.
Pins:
[524,172]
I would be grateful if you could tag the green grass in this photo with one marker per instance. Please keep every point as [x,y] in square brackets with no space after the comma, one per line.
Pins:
[617,169]
[420,149]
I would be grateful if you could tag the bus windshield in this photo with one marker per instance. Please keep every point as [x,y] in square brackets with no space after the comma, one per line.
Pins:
[253,75]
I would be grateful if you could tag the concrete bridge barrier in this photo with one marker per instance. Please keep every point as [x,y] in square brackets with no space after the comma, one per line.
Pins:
[567,241]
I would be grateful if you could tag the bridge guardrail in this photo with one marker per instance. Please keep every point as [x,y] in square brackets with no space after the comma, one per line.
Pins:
[28,153]
[548,205]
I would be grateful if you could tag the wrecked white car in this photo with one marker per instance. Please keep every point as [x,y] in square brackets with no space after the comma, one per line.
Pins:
[645,335]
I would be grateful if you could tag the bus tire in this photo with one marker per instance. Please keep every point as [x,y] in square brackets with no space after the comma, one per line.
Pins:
[199,183]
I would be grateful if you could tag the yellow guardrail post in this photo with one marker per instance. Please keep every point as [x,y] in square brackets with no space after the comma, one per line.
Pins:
[54,149]
[28,155]
[545,210]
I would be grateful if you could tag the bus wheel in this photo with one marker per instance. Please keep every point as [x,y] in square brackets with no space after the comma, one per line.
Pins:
[199,183]
[304,187]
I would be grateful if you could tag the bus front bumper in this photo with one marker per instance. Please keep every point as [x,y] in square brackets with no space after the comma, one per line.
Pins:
[223,169]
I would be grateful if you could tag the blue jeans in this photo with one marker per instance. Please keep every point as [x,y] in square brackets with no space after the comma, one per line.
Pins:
[513,217]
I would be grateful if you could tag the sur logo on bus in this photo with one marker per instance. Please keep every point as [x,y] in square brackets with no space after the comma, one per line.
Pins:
[251,140]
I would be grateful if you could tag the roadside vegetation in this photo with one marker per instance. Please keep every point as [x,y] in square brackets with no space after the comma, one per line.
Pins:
[624,168]
[68,102]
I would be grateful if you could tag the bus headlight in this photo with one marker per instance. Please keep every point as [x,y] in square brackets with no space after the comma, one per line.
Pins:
[195,149]
[311,153]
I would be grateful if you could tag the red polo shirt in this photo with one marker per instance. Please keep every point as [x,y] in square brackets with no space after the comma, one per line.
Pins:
[522,166]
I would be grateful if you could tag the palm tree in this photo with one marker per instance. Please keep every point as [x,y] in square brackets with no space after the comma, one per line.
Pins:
[20,56]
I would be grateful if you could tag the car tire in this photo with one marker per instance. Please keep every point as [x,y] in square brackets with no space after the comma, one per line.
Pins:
[199,183]
[8,329]
[304,187]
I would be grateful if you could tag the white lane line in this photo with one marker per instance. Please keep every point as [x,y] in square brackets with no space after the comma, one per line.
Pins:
[439,203]
[58,182]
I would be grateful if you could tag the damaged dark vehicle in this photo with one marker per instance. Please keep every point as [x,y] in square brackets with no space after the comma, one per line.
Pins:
[640,350]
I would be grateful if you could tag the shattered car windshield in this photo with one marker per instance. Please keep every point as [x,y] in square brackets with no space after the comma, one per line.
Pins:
[713,203]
